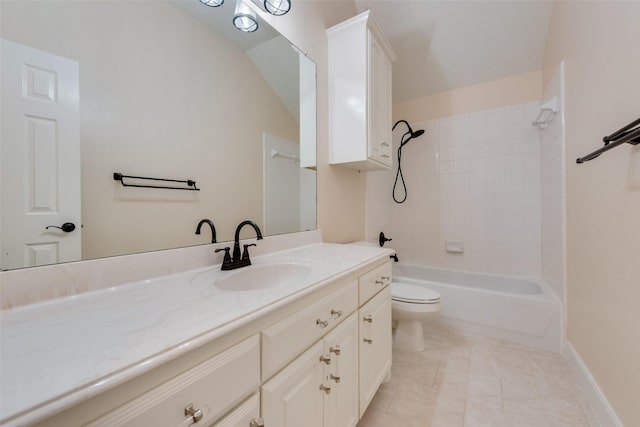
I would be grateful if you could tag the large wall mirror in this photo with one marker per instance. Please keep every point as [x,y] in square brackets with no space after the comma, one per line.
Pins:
[159,89]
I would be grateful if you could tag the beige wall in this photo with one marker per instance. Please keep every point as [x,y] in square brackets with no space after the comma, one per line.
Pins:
[136,119]
[599,41]
[512,90]
[340,190]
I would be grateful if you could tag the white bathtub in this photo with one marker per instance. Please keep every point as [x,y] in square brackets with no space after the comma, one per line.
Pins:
[523,311]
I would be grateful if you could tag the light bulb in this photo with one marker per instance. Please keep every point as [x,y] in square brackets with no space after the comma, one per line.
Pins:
[277,7]
[244,18]
[212,3]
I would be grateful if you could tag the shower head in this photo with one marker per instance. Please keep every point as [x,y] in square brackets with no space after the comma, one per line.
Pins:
[417,133]
[410,132]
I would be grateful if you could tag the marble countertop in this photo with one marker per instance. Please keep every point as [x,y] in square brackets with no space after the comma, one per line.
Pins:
[58,353]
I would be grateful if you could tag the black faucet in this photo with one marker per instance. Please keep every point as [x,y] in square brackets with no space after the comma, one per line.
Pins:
[237,261]
[213,228]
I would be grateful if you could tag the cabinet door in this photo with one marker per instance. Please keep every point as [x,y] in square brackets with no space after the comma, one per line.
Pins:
[385,103]
[375,345]
[374,143]
[294,398]
[341,404]
[379,105]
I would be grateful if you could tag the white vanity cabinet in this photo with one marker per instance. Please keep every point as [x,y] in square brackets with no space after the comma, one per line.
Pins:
[314,362]
[360,101]
[294,397]
[374,316]
[375,345]
[200,395]
[320,388]
[243,415]
[341,375]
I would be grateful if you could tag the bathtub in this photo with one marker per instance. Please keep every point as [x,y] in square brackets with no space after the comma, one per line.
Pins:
[523,311]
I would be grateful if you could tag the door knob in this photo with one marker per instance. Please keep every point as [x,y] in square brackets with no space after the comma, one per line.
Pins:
[67,227]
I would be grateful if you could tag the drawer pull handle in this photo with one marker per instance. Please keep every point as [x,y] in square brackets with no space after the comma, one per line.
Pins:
[368,341]
[336,313]
[256,423]
[195,414]
[334,377]
[324,388]
[368,318]
[322,323]
[380,282]
[325,360]
[335,350]
[386,277]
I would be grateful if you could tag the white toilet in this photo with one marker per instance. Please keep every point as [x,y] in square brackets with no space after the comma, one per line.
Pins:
[411,305]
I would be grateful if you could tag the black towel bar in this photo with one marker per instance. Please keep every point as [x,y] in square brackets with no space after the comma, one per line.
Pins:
[629,134]
[191,185]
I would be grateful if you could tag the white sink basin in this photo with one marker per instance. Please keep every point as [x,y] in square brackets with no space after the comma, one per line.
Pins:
[256,277]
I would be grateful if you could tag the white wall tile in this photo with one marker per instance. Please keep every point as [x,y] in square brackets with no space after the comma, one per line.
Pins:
[474,178]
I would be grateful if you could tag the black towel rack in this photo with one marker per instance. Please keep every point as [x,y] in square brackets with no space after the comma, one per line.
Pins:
[629,134]
[191,185]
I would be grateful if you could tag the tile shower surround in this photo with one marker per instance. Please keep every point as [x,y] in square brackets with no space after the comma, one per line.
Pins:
[552,174]
[473,178]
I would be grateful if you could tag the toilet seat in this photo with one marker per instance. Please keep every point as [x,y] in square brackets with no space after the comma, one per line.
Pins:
[413,294]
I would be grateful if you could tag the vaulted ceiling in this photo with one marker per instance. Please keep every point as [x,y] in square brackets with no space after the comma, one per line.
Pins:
[447,44]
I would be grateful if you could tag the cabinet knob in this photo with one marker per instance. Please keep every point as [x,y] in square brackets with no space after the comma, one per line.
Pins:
[336,313]
[335,378]
[322,323]
[335,350]
[256,422]
[368,318]
[325,360]
[368,341]
[386,277]
[324,388]
[380,282]
[195,414]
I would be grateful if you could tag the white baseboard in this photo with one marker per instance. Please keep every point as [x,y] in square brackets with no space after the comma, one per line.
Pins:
[589,386]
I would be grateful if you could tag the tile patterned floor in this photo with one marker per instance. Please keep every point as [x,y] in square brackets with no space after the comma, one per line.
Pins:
[471,381]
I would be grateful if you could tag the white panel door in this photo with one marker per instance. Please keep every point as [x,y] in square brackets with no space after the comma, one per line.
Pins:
[40,157]
[293,398]
[341,345]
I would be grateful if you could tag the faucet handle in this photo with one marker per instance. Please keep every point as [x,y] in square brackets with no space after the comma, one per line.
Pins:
[227,257]
[245,252]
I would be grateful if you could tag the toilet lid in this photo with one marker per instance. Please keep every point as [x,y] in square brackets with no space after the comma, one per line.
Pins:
[405,292]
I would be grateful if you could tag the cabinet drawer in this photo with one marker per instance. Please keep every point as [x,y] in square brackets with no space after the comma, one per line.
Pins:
[373,282]
[214,387]
[288,338]
[243,414]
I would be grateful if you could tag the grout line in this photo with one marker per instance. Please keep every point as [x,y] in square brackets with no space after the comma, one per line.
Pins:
[392,397]
[433,383]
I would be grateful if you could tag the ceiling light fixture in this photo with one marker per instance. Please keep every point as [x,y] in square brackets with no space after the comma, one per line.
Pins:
[244,18]
[212,3]
[277,7]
